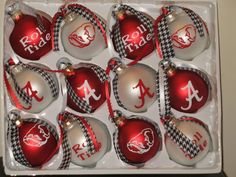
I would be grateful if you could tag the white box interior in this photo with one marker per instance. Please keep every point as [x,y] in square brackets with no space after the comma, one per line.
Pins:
[110,164]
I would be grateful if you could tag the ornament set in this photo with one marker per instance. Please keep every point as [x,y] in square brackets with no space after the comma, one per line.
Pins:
[84,90]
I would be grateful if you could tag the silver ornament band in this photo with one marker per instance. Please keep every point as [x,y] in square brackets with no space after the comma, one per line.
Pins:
[116,35]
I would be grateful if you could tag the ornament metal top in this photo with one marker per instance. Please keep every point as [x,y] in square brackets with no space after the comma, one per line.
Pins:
[83,35]
[132,34]
[31,35]
[181,32]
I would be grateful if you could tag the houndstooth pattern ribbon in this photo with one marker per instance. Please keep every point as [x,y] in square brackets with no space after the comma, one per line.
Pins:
[78,9]
[82,104]
[163,64]
[196,20]
[100,73]
[165,39]
[116,35]
[15,143]
[20,92]
[66,149]
[163,31]
[117,148]
[15,137]
[172,131]
[115,90]
[180,139]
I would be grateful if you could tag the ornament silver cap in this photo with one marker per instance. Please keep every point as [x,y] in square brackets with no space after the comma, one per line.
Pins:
[13,8]
[69,17]
[63,63]
[116,65]
[118,118]
[14,115]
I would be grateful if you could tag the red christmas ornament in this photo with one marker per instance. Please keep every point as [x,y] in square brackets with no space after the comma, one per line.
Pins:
[189,89]
[31,36]
[132,38]
[137,139]
[33,141]
[85,87]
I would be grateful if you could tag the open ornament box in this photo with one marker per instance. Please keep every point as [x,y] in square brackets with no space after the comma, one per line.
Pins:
[210,114]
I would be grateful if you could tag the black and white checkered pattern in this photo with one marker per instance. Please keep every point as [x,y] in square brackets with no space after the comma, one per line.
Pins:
[87,136]
[116,36]
[15,144]
[115,91]
[66,150]
[82,104]
[66,159]
[101,73]
[117,148]
[118,42]
[55,30]
[181,140]
[196,20]
[24,97]
[163,65]
[47,77]
[165,39]
[15,139]
[88,14]
[78,9]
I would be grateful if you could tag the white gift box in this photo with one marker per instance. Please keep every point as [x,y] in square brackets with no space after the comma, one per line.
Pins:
[211,114]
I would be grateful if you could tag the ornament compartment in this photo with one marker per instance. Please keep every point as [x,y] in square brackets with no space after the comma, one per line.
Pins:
[209,61]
